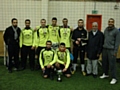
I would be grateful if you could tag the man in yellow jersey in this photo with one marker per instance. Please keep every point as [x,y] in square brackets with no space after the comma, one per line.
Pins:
[63,60]
[41,38]
[53,33]
[47,60]
[65,33]
[27,45]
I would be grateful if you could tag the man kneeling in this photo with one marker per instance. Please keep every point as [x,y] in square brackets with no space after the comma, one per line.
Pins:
[47,60]
[63,60]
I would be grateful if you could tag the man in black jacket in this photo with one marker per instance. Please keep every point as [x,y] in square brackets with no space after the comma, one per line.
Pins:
[11,38]
[94,49]
[79,38]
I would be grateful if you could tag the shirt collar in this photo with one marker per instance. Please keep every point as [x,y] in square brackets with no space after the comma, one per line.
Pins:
[27,27]
[94,33]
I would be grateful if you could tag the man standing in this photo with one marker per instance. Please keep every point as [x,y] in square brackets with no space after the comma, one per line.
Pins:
[110,48]
[11,38]
[65,33]
[79,38]
[41,38]
[94,49]
[27,45]
[53,33]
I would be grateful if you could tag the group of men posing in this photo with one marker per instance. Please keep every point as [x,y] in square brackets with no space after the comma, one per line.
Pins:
[53,45]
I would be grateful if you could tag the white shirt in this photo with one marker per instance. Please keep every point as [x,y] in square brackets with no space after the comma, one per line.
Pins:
[94,33]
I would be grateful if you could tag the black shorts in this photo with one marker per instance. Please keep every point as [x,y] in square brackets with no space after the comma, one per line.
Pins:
[68,70]
[47,71]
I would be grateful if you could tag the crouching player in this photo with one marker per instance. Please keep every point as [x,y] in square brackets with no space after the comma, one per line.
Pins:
[63,60]
[47,60]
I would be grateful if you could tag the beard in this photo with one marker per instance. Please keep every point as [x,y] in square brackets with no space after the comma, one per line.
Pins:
[80,26]
[27,27]
[15,26]
[48,48]
[94,30]
[110,27]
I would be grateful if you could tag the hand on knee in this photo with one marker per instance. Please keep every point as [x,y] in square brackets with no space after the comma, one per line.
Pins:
[48,66]
[67,75]
[52,67]
[57,65]
[45,76]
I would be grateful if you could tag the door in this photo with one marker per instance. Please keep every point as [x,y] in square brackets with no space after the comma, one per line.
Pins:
[93,18]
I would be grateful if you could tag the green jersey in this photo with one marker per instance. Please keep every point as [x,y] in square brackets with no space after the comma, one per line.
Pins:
[47,57]
[53,33]
[63,57]
[42,36]
[27,37]
[65,35]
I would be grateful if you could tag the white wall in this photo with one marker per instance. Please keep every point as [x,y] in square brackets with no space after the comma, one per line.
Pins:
[73,10]
[76,10]
[20,9]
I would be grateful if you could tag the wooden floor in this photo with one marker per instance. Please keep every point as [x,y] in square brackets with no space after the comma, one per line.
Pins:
[2,46]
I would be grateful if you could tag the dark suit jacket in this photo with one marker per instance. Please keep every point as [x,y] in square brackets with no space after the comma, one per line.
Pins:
[95,45]
[9,36]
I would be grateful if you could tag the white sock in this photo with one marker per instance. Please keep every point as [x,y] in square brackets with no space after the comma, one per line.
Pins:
[74,66]
[83,67]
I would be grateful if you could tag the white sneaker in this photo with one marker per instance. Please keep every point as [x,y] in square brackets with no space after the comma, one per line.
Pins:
[15,69]
[104,76]
[113,81]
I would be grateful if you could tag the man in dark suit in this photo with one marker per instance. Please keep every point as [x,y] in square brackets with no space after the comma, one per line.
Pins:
[94,49]
[11,38]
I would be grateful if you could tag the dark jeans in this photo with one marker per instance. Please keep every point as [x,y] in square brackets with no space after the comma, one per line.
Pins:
[13,53]
[109,60]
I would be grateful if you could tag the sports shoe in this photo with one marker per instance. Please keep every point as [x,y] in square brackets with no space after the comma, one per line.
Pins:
[104,76]
[15,69]
[84,73]
[95,75]
[88,74]
[23,68]
[10,71]
[113,81]
[72,72]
